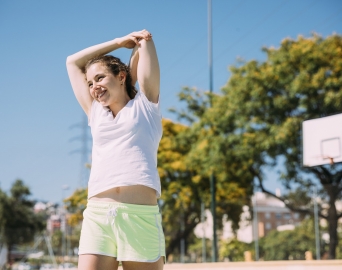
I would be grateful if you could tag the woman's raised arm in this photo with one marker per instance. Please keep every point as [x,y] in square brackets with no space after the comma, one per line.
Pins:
[133,64]
[148,73]
[75,64]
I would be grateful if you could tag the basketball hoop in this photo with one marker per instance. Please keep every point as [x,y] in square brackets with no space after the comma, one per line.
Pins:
[322,139]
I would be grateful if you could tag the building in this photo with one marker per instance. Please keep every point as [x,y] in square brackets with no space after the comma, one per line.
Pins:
[272,215]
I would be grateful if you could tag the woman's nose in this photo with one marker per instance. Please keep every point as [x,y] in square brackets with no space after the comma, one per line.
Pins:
[96,86]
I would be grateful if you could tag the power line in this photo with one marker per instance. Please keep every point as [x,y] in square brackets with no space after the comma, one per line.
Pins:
[327,19]
[195,45]
[252,30]
[243,36]
[299,13]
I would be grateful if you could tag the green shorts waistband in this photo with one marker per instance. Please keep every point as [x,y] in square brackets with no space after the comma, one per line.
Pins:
[124,207]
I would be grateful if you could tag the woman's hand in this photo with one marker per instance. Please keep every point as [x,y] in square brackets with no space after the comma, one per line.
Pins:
[132,39]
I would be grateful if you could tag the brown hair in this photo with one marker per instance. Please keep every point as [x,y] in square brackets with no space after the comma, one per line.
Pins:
[115,65]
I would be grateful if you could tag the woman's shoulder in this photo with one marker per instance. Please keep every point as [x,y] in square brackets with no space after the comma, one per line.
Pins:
[146,103]
[94,111]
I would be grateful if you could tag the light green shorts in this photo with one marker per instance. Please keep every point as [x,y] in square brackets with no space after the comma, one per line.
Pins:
[128,232]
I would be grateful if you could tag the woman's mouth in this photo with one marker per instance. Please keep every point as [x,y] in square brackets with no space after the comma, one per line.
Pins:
[100,94]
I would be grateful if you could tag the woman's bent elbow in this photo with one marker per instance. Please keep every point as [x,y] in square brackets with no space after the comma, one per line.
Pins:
[69,60]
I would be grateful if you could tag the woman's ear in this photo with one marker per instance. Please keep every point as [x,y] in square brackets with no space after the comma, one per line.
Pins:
[122,76]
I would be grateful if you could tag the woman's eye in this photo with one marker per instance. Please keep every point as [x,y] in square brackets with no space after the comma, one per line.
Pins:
[90,85]
[100,78]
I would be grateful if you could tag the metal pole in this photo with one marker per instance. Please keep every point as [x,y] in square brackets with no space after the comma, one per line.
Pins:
[182,243]
[256,229]
[63,225]
[213,211]
[210,48]
[52,256]
[63,237]
[212,178]
[204,251]
[318,248]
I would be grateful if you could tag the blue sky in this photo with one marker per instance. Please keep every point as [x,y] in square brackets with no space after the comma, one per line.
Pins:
[38,105]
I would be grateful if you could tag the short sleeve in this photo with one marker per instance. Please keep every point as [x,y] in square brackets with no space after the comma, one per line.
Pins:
[92,113]
[152,107]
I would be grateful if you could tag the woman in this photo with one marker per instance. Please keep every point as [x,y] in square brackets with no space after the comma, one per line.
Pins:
[122,220]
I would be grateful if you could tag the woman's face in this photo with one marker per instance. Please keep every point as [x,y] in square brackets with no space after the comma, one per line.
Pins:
[103,85]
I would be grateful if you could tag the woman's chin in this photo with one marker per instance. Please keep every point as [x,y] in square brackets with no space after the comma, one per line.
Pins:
[103,103]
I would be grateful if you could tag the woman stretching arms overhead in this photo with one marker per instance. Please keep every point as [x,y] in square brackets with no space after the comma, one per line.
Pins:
[122,220]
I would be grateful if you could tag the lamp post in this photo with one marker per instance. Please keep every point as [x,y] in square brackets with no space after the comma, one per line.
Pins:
[212,176]
[204,255]
[256,227]
[63,224]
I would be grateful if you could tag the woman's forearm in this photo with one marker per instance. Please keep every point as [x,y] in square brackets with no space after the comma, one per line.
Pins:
[133,64]
[82,57]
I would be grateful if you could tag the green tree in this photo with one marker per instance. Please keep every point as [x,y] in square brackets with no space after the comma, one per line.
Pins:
[185,184]
[75,205]
[180,200]
[56,241]
[234,249]
[290,244]
[19,223]
[256,122]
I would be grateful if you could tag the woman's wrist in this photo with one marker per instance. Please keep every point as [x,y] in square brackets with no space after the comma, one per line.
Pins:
[119,41]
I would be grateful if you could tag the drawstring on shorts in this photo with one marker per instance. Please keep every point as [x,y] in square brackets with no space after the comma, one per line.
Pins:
[112,212]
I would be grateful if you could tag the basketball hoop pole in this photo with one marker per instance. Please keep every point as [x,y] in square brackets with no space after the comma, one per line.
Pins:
[318,251]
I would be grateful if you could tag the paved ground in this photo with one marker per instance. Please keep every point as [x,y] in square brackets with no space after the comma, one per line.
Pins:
[275,265]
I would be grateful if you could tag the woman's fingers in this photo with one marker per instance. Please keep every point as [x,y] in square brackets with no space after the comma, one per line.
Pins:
[143,34]
[147,34]
[134,38]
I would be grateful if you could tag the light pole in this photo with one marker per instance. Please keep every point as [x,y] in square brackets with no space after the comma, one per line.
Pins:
[63,223]
[212,177]
[204,259]
[256,228]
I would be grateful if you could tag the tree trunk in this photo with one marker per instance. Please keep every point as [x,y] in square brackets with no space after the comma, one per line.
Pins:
[175,242]
[9,247]
[332,221]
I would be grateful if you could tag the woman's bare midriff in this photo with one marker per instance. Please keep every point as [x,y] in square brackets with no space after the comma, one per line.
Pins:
[136,194]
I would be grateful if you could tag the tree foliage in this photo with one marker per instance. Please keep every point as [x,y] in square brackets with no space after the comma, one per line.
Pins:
[185,183]
[180,201]
[18,221]
[292,244]
[75,205]
[256,122]
[234,249]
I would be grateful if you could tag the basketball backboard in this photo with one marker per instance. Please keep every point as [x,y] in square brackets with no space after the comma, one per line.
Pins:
[322,138]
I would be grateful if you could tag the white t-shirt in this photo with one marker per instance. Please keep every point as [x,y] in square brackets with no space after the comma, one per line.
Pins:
[125,147]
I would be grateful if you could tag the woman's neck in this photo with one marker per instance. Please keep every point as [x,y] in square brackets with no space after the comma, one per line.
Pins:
[117,106]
